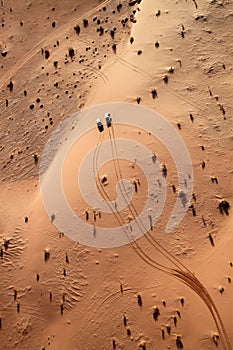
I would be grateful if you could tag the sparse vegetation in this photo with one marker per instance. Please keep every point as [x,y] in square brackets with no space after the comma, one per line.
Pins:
[77,29]
[46,54]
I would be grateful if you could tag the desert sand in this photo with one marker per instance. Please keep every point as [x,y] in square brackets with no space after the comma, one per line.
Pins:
[164,290]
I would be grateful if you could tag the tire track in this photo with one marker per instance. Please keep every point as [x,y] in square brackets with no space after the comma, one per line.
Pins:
[187,277]
[183,274]
[135,214]
[51,36]
[134,245]
[169,89]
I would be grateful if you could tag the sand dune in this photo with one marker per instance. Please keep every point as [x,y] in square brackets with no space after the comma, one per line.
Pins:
[163,290]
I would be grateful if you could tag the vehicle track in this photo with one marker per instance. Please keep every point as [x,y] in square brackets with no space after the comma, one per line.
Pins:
[168,88]
[185,276]
[180,272]
[134,212]
[117,215]
[37,47]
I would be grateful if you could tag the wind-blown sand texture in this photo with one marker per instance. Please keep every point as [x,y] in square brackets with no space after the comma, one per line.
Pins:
[163,291]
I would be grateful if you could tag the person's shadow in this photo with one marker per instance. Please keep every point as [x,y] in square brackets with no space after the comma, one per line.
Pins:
[94,231]
[183,198]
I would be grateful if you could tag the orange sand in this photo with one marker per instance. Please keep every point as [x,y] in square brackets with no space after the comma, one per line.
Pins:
[78,298]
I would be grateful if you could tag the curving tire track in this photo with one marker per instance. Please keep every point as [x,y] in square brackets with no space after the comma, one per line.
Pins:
[180,272]
[135,215]
[134,245]
[168,88]
[187,277]
[37,47]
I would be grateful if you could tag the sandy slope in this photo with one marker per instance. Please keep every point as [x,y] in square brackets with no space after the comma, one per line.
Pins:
[77,299]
